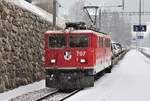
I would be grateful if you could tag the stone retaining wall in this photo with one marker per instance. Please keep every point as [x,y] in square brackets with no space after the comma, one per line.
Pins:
[21,46]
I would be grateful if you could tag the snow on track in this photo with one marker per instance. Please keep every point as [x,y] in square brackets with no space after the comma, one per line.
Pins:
[22,90]
[129,81]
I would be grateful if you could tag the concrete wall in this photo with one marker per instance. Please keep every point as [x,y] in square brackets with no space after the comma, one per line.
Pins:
[21,46]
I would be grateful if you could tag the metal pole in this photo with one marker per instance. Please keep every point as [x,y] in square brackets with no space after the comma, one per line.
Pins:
[143,7]
[100,19]
[138,40]
[95,18]
[140,12]
[123,4]
[54,14]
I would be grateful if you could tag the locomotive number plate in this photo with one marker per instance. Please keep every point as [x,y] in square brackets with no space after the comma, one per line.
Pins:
[81,53]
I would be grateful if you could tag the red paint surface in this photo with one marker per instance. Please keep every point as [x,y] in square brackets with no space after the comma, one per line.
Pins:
[90,54]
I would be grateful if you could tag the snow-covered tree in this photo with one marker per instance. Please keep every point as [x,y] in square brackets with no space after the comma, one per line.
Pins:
[115,24]
[120,29]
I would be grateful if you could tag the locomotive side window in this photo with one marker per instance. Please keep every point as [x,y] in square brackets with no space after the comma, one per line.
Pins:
[57,41]
[101,42]
[98,42]
[107,43]
[78,41]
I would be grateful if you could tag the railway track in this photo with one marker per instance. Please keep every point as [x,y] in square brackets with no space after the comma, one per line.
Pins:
[57,95]
[46,94]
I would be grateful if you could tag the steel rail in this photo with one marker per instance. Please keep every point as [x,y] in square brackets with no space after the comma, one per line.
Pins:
[47,95]
[54,93]
[71,94]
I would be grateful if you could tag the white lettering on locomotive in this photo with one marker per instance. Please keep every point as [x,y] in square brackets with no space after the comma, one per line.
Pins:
[81,53]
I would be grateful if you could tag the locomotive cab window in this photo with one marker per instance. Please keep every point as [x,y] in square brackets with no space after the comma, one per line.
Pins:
[57,41]
[78,41]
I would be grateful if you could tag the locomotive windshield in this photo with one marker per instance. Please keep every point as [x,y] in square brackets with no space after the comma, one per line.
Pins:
[78,41]
[57,41]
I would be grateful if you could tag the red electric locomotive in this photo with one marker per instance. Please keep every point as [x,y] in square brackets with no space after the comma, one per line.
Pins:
[73,57]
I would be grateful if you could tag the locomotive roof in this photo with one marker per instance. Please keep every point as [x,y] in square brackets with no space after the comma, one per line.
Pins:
[77,31]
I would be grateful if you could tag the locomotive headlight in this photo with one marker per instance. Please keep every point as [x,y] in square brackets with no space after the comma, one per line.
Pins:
[53,60]
[82,60]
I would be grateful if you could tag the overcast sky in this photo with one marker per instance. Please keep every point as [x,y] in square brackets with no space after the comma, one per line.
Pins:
[130,5]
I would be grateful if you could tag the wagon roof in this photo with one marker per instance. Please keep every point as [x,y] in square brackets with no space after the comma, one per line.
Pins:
[77,31]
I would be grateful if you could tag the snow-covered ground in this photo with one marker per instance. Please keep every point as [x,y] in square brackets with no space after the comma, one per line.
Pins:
[129,81]
[22,90]
[146,50]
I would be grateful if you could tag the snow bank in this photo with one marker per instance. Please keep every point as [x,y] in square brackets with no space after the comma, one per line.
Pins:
[22,90]
[146,50]
[38,11]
